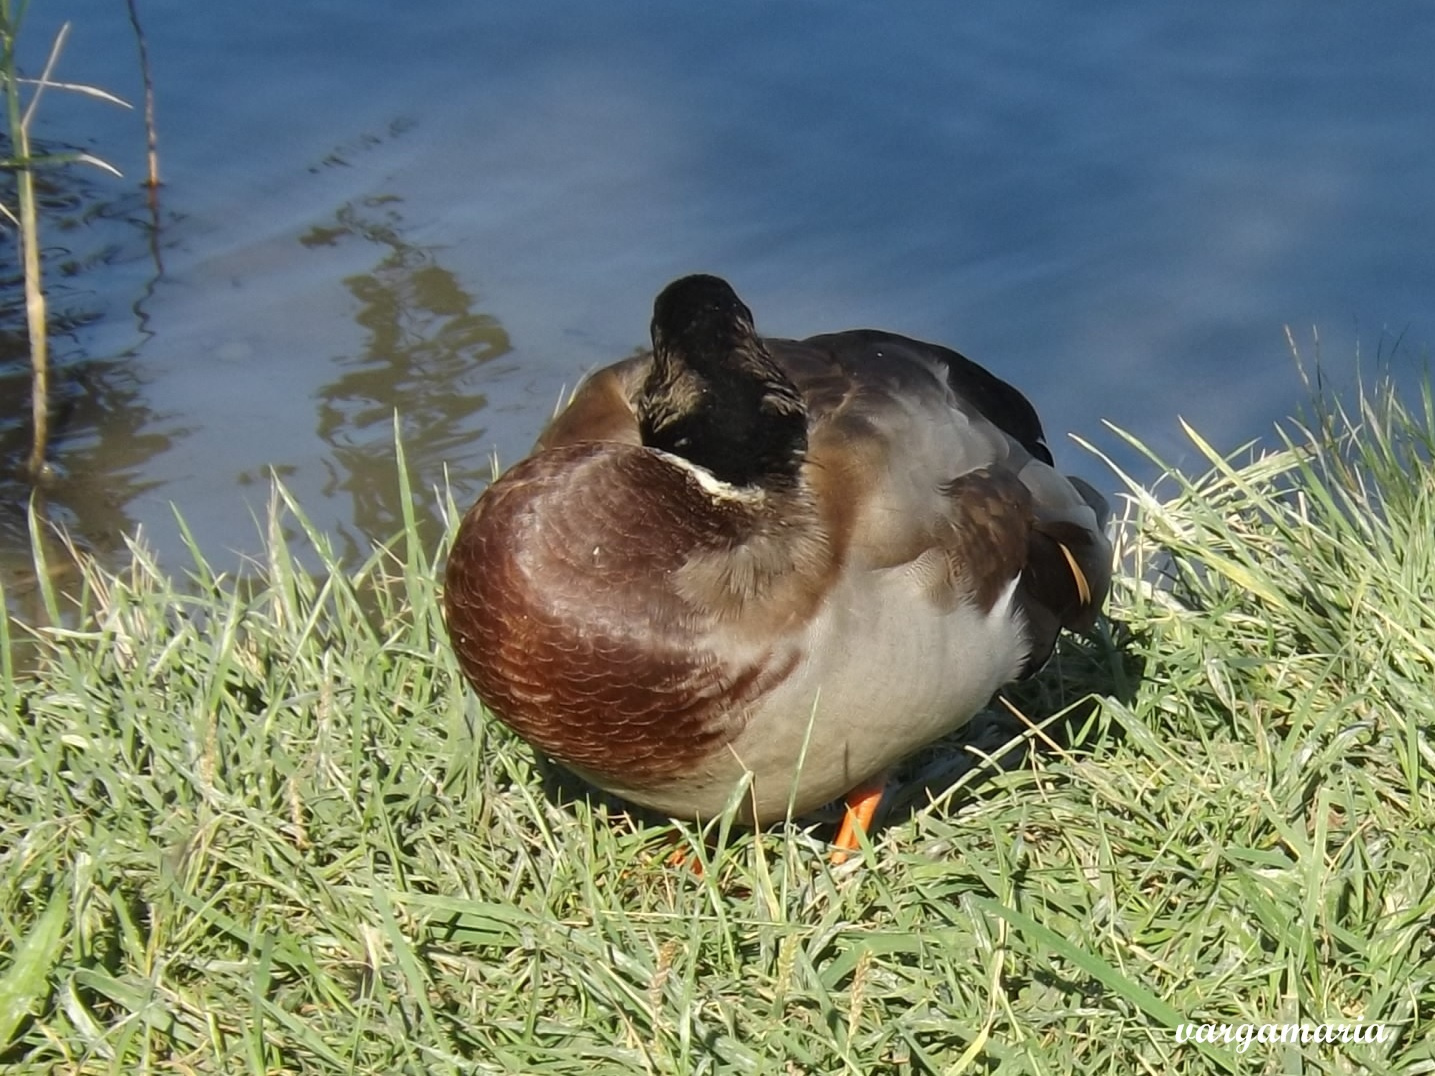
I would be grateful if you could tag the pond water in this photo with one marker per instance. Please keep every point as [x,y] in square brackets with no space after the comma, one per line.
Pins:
[452,210]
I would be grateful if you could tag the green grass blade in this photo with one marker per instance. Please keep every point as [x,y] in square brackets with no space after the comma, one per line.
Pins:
[28,977]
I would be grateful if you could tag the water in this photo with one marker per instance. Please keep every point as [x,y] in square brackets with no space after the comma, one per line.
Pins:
[456,211]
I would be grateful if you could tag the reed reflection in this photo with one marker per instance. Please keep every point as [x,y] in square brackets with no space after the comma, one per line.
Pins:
[425,347]
[104,433]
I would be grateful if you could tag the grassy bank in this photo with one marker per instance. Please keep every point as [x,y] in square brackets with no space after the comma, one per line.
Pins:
[260,827]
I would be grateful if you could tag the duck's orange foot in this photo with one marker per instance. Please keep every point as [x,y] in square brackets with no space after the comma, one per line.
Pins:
[862,804]
[680,857]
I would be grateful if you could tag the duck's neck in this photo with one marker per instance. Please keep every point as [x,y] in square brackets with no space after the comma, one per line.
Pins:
[724,404]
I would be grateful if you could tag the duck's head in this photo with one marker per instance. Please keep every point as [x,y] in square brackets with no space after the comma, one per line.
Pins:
[715,396]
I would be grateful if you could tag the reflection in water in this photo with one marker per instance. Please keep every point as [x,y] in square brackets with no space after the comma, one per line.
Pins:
[1119,223]
[104,435]
[424,346]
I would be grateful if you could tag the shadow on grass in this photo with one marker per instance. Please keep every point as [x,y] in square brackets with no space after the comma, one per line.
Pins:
[1058,711]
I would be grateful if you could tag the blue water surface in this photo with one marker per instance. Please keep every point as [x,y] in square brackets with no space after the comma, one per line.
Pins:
[455,208]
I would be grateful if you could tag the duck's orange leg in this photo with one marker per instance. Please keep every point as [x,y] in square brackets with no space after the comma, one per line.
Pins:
[862,804]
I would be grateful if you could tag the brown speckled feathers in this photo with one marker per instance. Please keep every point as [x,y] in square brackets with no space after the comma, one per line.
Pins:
[563,616]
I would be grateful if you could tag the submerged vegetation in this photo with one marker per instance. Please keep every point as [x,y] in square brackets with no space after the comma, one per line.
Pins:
[256,824]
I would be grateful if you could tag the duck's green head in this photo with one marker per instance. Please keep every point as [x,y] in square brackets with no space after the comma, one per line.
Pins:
[715,396]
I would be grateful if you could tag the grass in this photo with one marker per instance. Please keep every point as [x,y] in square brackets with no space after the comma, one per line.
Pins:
[258,825]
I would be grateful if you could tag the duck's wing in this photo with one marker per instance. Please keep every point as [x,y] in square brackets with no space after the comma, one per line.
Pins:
[921,457]
[872,355]
[602,407]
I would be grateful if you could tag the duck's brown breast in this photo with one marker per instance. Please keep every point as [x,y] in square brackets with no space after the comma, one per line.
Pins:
[562,612]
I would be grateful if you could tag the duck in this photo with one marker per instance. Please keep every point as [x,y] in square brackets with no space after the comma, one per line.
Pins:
[786,565]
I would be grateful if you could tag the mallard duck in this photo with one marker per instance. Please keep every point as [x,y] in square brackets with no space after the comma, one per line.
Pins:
[797,559]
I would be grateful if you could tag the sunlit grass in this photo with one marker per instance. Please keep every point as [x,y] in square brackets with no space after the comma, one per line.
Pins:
[258,825]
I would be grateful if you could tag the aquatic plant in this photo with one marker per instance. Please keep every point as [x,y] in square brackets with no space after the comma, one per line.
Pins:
[23,160]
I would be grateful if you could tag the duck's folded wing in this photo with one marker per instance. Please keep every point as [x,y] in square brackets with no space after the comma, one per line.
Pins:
[601,407]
